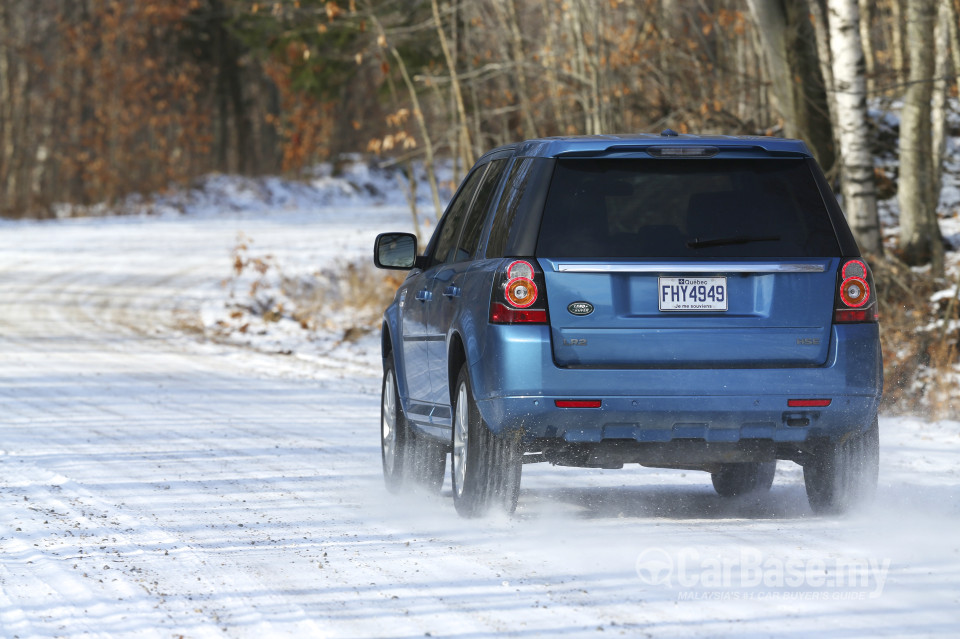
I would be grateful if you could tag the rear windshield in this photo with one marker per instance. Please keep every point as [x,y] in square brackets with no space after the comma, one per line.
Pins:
[685,209]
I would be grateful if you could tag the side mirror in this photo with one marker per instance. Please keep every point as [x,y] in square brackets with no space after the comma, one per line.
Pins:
[396,251]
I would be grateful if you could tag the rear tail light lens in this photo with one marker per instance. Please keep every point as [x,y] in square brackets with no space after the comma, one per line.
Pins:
[854,268]
[521,292]
[808,403]
[577,403]
[502,314]
[850,317]
[854,292]
[855,297]
[520,268]
[519,296]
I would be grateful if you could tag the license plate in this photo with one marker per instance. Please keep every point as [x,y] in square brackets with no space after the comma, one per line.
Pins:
[692,293]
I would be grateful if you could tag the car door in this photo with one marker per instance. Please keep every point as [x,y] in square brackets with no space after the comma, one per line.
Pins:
[425,292]
[447,285]
[413,336]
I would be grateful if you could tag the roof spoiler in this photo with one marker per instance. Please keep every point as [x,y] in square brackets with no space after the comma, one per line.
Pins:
[631,150]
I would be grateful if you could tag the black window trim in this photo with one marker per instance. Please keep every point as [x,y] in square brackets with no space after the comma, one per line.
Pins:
[443,220]
[491,211]
[523,243]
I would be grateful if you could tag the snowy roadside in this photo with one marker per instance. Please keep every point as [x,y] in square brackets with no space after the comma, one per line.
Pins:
[308,300]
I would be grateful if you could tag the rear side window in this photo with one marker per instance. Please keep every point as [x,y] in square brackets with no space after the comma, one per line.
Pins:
[513,195]
[685,209]
[478,214]
[445,248]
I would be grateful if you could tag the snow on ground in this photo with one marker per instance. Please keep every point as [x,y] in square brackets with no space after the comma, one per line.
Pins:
[154,484]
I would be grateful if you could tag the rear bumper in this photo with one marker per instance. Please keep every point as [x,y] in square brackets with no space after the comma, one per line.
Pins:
[517,383]
[717,419]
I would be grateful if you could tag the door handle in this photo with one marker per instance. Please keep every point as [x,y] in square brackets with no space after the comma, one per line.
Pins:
[451,291]
[424,295]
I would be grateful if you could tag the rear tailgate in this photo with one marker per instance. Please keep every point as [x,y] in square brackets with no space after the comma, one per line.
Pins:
[754,314]
[699,262]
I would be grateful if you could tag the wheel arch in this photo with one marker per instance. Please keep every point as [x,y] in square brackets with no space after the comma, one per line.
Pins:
[388,351]
[456,358]
[386,342]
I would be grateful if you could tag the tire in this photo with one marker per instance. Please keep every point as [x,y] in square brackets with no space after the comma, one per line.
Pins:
[409,461]
[733,480]
[485,468]
[843,476]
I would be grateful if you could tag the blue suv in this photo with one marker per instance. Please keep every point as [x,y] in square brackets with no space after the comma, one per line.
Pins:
[673,301]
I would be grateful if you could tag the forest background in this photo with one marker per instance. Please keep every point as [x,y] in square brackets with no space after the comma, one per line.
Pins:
[102,100]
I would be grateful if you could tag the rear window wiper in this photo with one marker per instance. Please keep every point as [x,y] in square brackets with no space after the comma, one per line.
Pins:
[726,241]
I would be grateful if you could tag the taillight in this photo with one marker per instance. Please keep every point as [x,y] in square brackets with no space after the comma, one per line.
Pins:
[808,403]
[856,299]
[519,296]
[578,403]
[521,292]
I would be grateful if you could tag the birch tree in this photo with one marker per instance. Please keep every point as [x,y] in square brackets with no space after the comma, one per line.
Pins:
[850,102]
[867,9]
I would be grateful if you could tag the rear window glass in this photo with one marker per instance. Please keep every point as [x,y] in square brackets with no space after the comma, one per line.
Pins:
[687,209]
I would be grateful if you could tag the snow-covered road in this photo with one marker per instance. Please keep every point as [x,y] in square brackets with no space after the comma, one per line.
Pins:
[153,485]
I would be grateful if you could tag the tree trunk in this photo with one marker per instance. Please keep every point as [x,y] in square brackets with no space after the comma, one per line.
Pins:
[429,165]
[771,20]
[920,239]
[793,66]
[429,162]
[507,11]
[19,116]
[550,70]
[866,40]
[850,88]
[942,69]
[6,117]
[467,147]
[818,12]
[580,68]
[763,88]
[954,24]
[896,39]
[408,172]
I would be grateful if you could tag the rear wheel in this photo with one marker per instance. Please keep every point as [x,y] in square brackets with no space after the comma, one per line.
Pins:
[485,468]
[740,479]
[409,461]
[841,476]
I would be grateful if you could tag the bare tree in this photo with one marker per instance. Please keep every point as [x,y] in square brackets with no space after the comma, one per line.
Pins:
[463,125]
[429,165]
[850,100]
[507,14]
